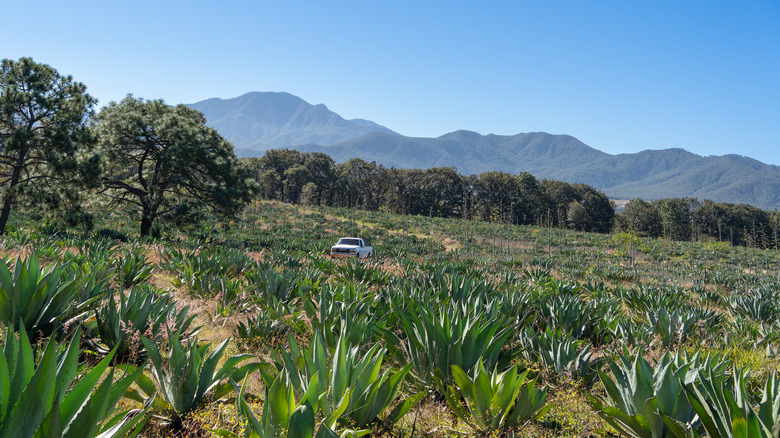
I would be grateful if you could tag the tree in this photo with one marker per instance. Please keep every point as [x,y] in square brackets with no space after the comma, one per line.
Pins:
[641,217]
[676,217]
[43,132]
[600,210]
[167,162]
[561,195]
[532,202]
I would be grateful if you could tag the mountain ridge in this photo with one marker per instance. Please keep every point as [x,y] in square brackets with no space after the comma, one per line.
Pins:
[257,121]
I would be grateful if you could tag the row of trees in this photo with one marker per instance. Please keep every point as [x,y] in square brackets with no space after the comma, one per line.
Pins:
[690,219]
[314,178]
[54,150]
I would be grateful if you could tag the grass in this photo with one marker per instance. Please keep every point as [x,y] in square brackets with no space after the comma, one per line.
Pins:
[281,236]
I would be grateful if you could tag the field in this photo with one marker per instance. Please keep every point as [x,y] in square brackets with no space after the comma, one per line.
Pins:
[454,328]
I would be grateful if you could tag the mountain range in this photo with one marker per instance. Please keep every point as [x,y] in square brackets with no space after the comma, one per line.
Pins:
[258,121]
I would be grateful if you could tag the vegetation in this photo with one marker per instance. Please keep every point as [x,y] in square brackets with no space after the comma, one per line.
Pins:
[166,161]
[498,325]
[43,134]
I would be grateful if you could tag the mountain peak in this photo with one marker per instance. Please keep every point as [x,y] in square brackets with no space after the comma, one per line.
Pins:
[258,121]
[262,120]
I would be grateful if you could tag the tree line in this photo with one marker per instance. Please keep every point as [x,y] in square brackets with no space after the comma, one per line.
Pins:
[57,154]
[690,219]
[56,151]
[314,178]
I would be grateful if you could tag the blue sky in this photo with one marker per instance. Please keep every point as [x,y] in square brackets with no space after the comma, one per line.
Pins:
[622,76]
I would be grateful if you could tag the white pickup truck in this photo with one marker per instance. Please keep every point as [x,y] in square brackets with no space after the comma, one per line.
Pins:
[352,247]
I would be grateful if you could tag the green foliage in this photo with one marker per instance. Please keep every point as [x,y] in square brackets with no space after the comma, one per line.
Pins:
[186,374]
[270,285]
[167,162]
[560,354]
[133,268]
[759,305]
[346,375]
[436,339]
[41,300]
[495,401]
[43,398]
[728,412]
[281,412]
[342,312]
[265,326]
[355,271]
[645,398]
[119,326]
[44,141]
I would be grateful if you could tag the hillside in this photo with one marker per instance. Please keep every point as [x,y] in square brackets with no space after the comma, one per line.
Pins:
[258,121]
[652,174]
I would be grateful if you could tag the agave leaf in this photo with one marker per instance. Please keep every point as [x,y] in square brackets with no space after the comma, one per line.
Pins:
[87,420]
[29,410]
[279,400]
[243,409]
[5,385]
[769,407]
[402,408]
[339,376]
[302,422]
[80,394]
[330,421]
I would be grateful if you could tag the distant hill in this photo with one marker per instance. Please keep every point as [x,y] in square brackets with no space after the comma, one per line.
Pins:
[652,174]
[256,122]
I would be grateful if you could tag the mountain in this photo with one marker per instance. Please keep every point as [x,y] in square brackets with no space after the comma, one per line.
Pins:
[257,121]
[468,151]
[651,174]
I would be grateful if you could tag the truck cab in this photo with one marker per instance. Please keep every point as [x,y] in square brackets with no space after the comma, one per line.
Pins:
[359,247]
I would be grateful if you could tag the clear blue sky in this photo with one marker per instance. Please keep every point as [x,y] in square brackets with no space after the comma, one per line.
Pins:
[622,76]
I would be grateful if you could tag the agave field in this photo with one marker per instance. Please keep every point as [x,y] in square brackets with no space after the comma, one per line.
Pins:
[455,328]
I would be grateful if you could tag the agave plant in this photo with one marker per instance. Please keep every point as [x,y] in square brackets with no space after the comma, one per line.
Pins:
[494,401]
[567,312]
[282,413]
[186,375]
[264,326]
[132,269]
[120,325]
[537,275]
[558,352]
[436,339]
[675,327]
[42,398]
[358,272]
[40,300]
[751,334]
[646,399]
[345,375]
[99,249]
[267,283]
[760,306]
[342,311]
[189,264]
[726,411]
[650,299]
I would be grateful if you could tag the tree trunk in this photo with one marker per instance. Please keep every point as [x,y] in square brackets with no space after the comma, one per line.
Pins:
[147,218]
[146,225]
[5,213]
[8,199]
